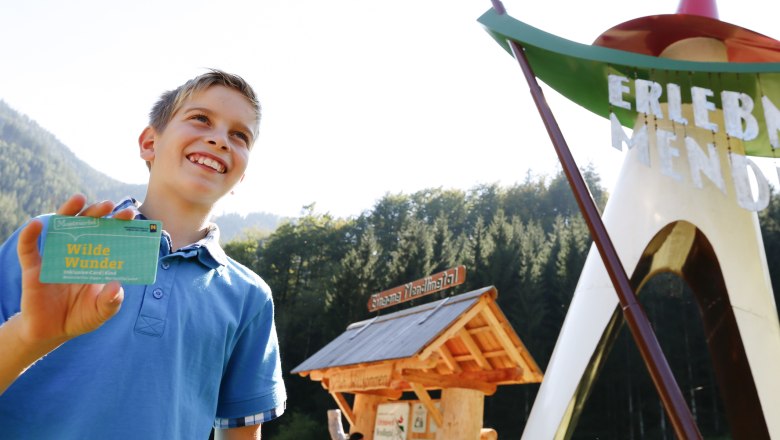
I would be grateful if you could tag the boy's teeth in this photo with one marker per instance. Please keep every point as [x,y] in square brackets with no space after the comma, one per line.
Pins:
[208,162]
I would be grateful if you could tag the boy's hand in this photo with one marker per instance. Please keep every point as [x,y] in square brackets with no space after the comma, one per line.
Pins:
[53,313]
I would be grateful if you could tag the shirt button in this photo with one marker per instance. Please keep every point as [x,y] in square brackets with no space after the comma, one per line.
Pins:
[165,265]
[157,293]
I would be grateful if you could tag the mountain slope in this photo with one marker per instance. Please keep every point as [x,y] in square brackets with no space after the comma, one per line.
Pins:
[37,172]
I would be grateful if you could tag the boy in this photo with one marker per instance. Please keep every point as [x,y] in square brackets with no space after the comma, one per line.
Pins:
[197,348]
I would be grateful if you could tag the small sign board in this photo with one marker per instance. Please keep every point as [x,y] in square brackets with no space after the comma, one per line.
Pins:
[392,421]
[419,418]
[405,420]
[416,289]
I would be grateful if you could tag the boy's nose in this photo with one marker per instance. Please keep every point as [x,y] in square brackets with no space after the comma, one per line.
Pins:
[219,141]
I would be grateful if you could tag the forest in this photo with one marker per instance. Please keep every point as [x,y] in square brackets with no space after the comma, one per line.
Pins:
[528,240]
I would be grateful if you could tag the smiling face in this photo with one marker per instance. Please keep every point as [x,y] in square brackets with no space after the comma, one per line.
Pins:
[203,151]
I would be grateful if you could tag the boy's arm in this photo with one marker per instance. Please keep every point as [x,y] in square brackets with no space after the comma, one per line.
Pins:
[242,433]
[53,313]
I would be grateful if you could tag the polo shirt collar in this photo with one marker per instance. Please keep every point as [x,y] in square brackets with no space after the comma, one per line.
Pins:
[207,249]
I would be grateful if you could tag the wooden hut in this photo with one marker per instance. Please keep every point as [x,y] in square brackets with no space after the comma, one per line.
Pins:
[461,345]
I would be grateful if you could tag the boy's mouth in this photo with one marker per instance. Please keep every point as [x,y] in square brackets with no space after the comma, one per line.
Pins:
[207,161]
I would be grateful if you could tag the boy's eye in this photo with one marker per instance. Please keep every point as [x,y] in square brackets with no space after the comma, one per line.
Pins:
[243,136]
[201,118]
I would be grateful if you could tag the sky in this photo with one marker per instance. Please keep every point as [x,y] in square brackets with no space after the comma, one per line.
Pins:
[361,98]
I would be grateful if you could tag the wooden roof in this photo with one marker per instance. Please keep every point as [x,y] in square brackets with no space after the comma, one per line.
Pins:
[464,341]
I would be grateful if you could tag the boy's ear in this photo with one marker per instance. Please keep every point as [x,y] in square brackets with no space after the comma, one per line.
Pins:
[146,143]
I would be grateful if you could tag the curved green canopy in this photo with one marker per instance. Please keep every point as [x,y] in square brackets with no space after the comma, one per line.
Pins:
[580,72]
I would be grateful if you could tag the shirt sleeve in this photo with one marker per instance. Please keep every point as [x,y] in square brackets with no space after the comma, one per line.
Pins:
[252,390]
[11,275]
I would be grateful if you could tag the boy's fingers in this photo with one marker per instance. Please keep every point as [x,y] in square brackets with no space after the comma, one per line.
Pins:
[77,205]
[73,205]
[125,214]
[98,209]
[109,301]
[27,247]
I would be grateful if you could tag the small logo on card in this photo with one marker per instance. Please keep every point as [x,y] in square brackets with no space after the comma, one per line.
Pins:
[75,222]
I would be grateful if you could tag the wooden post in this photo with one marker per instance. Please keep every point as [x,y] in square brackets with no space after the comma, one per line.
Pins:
[463,412]
[364,410]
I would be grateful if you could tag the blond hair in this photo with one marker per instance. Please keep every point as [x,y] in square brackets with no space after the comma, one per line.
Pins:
[171,101]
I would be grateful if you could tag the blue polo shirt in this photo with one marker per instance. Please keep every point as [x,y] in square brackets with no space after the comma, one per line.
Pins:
[196,349]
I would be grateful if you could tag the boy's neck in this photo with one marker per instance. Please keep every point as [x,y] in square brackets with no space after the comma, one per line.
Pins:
[186,224]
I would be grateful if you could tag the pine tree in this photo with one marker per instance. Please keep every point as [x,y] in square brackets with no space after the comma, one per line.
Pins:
[444,252]
[412,259]
[354,282]
[476,252]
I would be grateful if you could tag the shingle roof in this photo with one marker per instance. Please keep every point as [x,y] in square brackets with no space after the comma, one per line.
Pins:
[394,336]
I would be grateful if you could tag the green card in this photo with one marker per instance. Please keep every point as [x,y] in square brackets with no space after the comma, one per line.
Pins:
[97,250]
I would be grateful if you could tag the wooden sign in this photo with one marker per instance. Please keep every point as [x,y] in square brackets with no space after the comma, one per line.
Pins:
[375,377]
[416,289]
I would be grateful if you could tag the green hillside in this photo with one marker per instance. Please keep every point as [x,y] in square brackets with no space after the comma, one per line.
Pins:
[37,172]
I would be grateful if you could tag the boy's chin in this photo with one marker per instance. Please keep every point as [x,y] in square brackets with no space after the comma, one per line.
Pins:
[204,196]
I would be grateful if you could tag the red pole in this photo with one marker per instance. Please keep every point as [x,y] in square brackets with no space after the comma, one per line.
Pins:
[671,396]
